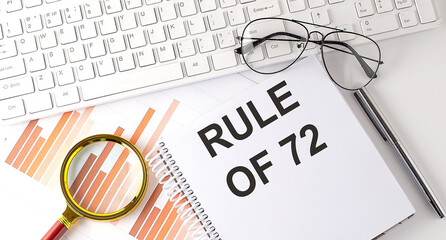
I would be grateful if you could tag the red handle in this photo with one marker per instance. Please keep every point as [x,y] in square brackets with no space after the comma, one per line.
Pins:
[55,232]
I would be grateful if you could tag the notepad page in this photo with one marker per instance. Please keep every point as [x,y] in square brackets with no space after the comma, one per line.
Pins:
[297,164]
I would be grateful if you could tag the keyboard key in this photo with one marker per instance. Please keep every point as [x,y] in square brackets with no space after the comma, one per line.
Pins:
[224,60]
[156,33]
[64,76]
[85,72]
[226,38]
[56,58]
[196,66]
[277,49]
[196,25]
[47,39]
[296,5]
[127,21]
[137,39]
[13,28]
[187,8]
[320,17]
[426,11]
[400,4]
[105,67]
[76,53]
[186,48]
[206,43]
[107,25]
[334,1]
[94,89]
[145,57]
[150,2]
[35,62]
[27,44]
[131,4]
[383,6]
[166,53]
[45,80]
[364,8]
[67,35]
[11,68]
[408,19]
[73,14]
[112,6]
[8,49]
[262,9]
[316,3]
[216,21]
[33,3]
[176,29]
[66,96]
[96,48]
[16,87]
[147,16]
[167,11]
[33,23]
[126,62]
[346,37]
[227,3]
[87,30]
[254,55]
[12,108]
[12,5]
[93,9]
[38,102]
[236,16]
[379,25]
[207,5]
[116,44]
[53,19]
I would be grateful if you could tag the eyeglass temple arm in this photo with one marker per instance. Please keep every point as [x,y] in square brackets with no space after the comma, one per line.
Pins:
[258,41]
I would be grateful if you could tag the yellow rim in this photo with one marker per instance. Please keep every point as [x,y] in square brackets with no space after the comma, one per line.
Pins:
[81,212]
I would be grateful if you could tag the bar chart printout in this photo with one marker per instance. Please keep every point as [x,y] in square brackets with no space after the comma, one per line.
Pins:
[98,185]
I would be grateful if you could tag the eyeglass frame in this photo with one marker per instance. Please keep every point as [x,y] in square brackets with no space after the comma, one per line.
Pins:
[368,71]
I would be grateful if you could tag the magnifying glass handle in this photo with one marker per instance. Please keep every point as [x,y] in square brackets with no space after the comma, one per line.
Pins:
[55,232]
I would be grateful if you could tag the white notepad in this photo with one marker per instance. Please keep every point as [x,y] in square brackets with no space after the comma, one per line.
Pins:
[299,166]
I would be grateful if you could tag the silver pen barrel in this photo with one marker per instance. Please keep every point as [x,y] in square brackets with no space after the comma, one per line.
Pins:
[386,131]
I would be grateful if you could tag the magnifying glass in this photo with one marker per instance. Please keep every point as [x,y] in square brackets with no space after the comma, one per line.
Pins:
[103,177]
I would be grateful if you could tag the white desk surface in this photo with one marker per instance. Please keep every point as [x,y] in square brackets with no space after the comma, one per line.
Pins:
[411,92]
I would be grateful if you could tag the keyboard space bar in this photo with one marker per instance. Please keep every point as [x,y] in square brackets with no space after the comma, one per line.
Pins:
[102,87]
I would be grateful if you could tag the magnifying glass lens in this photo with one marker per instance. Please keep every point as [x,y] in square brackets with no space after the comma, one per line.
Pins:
[104,177]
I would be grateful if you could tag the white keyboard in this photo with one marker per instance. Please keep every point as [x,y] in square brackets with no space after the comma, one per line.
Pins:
[61,55]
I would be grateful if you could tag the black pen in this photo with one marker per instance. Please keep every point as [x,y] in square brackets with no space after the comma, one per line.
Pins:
[381,124]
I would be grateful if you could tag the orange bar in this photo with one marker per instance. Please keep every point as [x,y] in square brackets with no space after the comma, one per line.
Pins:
[167,225]
[27,147]
[183,232]
[21,141]
[142,125]
[32,154]
[112,174]
[56,147]
[75,185]
[126,191]
[95,185]
[161,126]
[95,170]
[113,189]
[159,222]
[67,145]
[148,223]
[175,228]
[146,210]
[48,144]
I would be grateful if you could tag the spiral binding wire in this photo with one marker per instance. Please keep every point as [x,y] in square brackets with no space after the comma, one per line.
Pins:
[180,193]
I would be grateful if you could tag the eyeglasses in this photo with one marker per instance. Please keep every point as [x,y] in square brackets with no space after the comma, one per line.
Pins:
[350,68]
